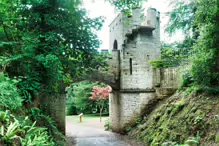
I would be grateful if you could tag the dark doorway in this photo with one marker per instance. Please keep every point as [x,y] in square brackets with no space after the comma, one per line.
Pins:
[115,45]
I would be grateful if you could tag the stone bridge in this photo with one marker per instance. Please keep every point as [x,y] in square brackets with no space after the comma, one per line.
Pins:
[134,42]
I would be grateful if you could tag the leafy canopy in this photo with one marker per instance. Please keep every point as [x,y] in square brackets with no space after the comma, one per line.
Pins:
[47,43]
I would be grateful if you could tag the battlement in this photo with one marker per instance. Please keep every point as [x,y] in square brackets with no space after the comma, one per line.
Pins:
[124,26]
[138,18]
[149,21]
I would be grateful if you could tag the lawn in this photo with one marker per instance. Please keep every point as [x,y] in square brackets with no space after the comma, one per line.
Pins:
[88,120]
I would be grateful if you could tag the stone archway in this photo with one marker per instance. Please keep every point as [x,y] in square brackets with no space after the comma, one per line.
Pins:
[55,106]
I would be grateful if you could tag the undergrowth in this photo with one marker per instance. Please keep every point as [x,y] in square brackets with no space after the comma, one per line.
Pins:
[182,119]
[19,126]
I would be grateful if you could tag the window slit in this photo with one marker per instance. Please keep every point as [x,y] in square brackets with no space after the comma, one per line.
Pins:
[130,66]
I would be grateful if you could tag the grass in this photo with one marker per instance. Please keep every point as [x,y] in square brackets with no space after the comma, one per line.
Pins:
[87,118]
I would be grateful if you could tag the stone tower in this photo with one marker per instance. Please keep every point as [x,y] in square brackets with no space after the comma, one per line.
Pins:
[134,42]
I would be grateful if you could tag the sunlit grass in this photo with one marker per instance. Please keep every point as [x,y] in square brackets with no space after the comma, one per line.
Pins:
[87,118]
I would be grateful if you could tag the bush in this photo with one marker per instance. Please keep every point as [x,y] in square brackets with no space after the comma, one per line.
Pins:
[45,121]
[20,128]
[22,132]
[187,79]
[107,124]
[9,94]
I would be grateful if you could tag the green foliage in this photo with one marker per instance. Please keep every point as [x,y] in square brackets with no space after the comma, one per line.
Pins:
[192,141]
[204,68]
[128,129]
[107,124]
[44,45]
[8,134]
[47,122]
[187,79]
[78,95]
[182,16]
[37,137]
[19,128]
[124,5]
[170,57]
[47,44]
[15,131]
[199,20]
[182,118]
[175,54]
[9,94]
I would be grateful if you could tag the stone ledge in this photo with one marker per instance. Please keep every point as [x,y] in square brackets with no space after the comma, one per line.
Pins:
[137,90]
[165,92]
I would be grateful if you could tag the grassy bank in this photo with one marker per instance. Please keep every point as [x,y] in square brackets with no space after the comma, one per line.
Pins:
[191,119]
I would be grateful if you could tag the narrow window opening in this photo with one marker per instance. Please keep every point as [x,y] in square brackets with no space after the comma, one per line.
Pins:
[130,65]
[115,45]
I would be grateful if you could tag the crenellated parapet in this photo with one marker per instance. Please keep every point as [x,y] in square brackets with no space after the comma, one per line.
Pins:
[142,21]
[124,26]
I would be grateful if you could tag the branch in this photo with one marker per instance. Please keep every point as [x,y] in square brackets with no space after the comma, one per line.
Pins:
[6,34]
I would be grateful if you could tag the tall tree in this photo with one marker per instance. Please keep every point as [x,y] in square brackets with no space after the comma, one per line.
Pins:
[182,16]
[47,43]
[205,69]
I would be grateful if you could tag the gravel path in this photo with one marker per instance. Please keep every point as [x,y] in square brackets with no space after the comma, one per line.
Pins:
[92,134]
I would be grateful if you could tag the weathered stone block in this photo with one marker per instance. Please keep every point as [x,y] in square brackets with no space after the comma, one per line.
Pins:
[165,92]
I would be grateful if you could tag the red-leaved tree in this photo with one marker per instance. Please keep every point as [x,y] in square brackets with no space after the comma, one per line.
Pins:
[100,95]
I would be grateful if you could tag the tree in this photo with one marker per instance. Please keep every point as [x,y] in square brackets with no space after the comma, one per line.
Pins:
[200,18]
[100,95]
[78,94]
[124,5]
[205,71]
[47,44]
[182,16]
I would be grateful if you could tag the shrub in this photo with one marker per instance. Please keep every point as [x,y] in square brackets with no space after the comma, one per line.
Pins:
[107,124]
[10,98]
[47,122]
[22,132]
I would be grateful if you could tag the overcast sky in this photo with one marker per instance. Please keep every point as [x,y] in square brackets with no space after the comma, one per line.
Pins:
[101,8]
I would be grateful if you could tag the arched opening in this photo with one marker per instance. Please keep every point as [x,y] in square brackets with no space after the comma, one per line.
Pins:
[82,99]
[115,45]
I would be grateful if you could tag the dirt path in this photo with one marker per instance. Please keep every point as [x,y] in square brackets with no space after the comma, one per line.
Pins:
[91,133]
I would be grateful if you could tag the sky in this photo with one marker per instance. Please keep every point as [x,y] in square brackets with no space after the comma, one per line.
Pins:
[102,8]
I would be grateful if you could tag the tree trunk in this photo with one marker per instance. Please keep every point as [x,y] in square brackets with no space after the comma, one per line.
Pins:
[101,114]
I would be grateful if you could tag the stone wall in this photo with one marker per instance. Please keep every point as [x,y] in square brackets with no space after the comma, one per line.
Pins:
[116,31]
[114,63]
[55,107]
[126,108]
[167,77]
[136,70]
[167,80]
[114,111]
[129,102]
